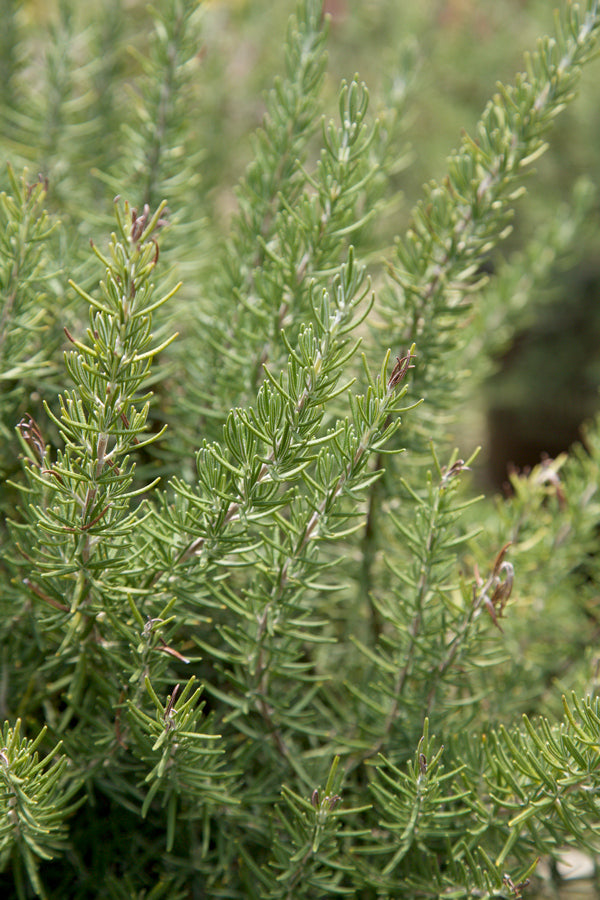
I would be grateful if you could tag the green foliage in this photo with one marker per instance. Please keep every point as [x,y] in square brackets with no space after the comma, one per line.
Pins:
[436,267]
[27,318]
[35,805]
[232,609]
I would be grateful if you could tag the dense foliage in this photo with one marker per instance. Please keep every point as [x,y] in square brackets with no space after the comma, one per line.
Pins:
[258,637]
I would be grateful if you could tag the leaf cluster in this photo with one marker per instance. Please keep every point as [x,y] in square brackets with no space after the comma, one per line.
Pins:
[234,638]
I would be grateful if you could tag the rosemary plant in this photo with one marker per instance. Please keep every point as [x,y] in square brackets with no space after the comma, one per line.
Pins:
[250,647]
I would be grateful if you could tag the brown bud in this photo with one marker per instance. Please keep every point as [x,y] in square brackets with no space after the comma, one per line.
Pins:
[400,369]
[31,434]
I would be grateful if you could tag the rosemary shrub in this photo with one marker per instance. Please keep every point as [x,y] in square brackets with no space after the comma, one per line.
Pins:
[259,639]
